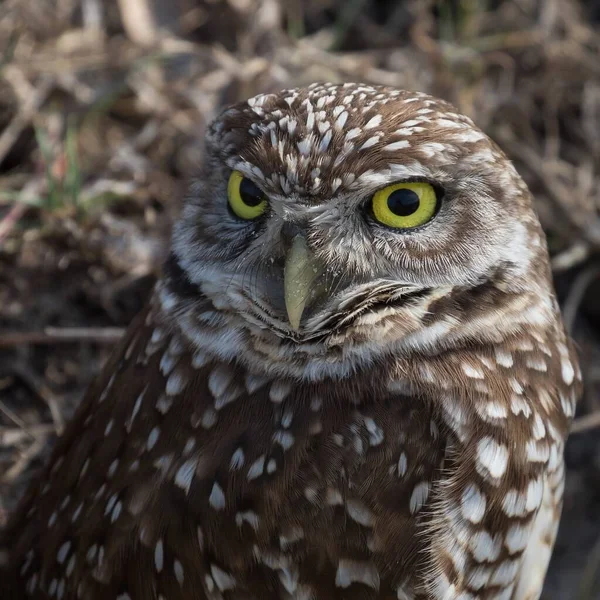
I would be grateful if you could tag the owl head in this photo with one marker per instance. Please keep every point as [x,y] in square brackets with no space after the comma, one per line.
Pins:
[348,221]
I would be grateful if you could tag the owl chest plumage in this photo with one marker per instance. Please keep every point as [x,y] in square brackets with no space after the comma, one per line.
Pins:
[233,483]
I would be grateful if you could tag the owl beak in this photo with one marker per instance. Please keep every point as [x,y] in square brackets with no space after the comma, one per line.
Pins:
[301,270]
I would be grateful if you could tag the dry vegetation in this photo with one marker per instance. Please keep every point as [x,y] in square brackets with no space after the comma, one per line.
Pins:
[102,110]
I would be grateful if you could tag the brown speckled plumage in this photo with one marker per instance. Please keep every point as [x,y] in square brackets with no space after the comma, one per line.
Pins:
[405,442]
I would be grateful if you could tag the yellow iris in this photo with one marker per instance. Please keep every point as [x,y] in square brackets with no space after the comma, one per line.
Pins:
[405,205]
[246,199]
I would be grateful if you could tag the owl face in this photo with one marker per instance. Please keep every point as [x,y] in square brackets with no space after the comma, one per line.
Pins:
[343,210]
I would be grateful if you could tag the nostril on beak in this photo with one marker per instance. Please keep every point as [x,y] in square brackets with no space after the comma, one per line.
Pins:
[288,232]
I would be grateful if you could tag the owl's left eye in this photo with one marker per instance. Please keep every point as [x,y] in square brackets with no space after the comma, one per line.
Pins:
[405,205]
[246,199]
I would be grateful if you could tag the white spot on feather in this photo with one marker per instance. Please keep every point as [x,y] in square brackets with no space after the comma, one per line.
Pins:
[484,547]
[257,468]
[472,371]
[360,513]
[224,580]
[304,146]
[159,556]
[255,382]
[175,383]
[152,438]
[473,504]
[63,552]
[289,579]
[249,517]
[370,142]
[514,504]
[352,133]
[237,459]
[375,432]
[325,141]
[492,456]
[185,475]
[506,572]
[351,571]
[536,363]
[373,122]
[535,490]
[517,538]
[178,570]
[279,390]
[567,371]
[396,145]
[402,465]
[504,358]
[135,410]
[419,497]
[341,120]
[284,438]
[217,497]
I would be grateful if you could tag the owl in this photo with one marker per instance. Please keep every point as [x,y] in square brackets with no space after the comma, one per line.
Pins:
[351,382]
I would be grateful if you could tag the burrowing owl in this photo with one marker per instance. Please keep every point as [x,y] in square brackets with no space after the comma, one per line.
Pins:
[352,381]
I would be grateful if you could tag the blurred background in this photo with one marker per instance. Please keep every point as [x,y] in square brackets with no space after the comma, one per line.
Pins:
[103,105]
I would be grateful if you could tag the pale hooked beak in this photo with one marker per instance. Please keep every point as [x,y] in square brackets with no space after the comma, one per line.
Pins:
[301,270]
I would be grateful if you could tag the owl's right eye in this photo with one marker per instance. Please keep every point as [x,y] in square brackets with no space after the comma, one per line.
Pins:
[246,199]
[405,205]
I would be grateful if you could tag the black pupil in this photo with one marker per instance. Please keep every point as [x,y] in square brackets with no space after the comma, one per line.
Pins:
[403,202]
[250,194]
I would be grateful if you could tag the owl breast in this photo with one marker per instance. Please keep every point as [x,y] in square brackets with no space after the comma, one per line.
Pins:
[323,492]
[303,503]
[239,485]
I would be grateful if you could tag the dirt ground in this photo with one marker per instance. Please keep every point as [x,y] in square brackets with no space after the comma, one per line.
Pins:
[103,105]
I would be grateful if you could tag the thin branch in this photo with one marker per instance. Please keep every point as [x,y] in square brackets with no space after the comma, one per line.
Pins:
[26,115]
[38,386]
[12,217]
[571,257]
[586,423]
[23,461]
[11,436]
[15,418]
[57,335]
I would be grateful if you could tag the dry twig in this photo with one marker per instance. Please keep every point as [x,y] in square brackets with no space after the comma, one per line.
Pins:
[56,335]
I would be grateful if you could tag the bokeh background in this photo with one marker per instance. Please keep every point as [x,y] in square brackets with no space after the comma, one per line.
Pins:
[103,105]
